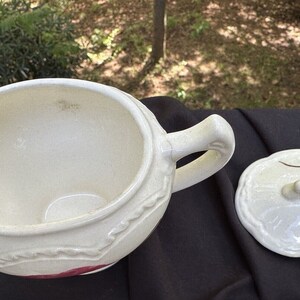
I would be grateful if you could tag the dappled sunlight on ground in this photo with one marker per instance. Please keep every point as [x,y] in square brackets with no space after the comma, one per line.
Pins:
[220,53]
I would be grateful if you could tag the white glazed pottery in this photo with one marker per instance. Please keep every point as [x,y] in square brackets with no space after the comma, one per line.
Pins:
[268,201]
[87,173]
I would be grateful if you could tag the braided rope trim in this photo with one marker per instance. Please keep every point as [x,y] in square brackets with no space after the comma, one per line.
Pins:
[96,253]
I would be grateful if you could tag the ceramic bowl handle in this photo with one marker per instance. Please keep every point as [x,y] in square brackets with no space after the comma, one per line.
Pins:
[213,135]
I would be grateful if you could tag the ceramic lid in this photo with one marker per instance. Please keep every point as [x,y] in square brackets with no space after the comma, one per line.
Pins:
[268,201]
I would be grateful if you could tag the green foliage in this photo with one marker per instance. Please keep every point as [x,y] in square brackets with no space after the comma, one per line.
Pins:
[95,8]
[179,92]
[135,39]
[101,41]
[36,42]
[172,22]
[102,46]
[199,26]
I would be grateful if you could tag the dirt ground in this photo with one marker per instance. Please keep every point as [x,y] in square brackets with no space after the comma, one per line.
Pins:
[219,54]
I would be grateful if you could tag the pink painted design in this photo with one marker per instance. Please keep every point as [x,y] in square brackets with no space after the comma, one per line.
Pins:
[72,272]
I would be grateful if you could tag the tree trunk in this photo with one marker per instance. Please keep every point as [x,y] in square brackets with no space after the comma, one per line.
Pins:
[159,28]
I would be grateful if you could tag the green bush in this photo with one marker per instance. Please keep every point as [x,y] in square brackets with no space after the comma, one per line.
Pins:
[36,43]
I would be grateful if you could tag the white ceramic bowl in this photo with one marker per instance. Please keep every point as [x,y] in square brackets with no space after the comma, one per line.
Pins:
[87,173]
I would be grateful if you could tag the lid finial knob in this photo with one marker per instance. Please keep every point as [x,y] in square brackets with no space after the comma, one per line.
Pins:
[291,191]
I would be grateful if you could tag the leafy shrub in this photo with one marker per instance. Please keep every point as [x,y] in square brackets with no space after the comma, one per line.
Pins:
[36,42]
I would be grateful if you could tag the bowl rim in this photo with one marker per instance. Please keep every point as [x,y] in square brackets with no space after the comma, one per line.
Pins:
[127,102]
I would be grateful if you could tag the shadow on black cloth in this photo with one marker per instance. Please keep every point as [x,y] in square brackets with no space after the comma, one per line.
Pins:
[199,250]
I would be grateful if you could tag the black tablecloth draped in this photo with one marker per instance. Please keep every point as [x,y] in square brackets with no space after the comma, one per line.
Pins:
[199,249]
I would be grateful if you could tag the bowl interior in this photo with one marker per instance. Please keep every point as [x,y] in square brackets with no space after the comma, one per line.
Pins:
[64,151]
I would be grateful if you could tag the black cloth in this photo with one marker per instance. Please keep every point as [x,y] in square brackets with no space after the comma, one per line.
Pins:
[199,250]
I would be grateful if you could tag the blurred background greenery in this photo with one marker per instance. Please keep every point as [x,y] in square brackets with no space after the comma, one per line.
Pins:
[218,54]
